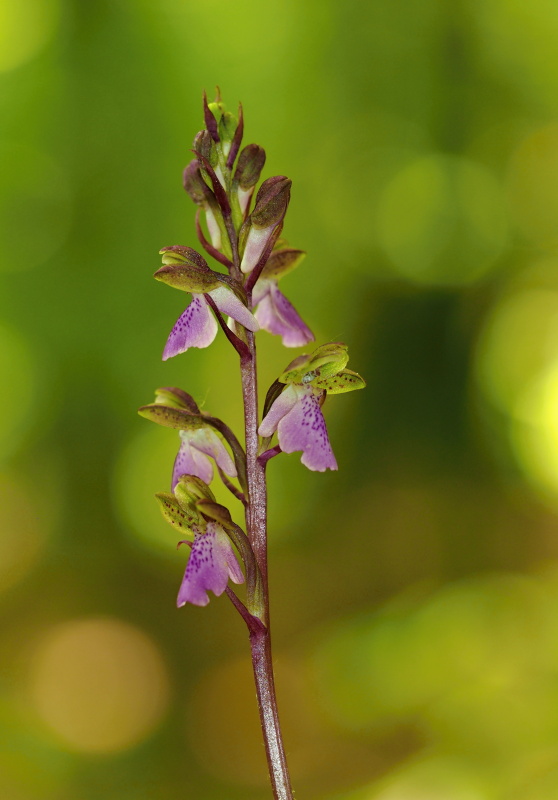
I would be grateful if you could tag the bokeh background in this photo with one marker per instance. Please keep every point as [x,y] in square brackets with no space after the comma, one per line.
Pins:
[415,592]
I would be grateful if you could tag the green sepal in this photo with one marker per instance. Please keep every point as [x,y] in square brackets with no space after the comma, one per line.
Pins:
[281,262]
[177,398]
[329,359]
[180,518]
[296,369]
[194,488]
[184,268]
[227,125]
[326,360]
[344,381]
[172,417]
[187,492]
[187,278]
[180,254]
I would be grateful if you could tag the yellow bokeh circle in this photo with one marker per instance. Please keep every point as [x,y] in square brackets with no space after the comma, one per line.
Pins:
[99,684]
[25,28]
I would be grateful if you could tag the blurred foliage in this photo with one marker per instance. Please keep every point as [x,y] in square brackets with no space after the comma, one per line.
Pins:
[415,593]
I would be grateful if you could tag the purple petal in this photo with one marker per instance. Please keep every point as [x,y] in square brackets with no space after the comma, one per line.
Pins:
[190,461]
[277,315]
[208,443]
[280,408]
[196,327]
[212,562]
[304,428]
[228,303]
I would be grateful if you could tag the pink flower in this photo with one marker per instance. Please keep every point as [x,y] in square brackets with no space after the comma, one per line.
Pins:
[277,315]
[197,447]
[297,417]
[212,562]
[197,326]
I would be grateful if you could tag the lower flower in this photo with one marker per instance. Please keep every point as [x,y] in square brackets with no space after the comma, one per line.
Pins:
[211,563]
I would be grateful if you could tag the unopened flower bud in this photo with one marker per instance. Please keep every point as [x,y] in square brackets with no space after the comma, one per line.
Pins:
[248,170]
[249,166]
[271,202]
[271,206]
[190,489]
[205,146]
[195,185]
[227,128]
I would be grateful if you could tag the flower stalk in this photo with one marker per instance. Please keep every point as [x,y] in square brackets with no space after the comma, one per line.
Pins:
[248,245]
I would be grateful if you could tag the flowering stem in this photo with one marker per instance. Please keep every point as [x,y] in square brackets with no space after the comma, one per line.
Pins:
[260,640]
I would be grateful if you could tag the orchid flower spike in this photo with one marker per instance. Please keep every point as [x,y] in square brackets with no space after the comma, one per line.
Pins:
[184,268]
[296,414]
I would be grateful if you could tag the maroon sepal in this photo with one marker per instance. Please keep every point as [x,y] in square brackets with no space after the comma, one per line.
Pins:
[237,138]
[210,121]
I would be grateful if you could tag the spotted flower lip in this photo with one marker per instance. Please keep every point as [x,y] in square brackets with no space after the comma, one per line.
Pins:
[197,448]
[211,563]
[197,326]
[277,315]
[297,417]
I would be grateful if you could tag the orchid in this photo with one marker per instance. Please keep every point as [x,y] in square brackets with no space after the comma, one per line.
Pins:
[197,447]
[274,312]
[197,326]
[296,415]
[212,562]
[221,181]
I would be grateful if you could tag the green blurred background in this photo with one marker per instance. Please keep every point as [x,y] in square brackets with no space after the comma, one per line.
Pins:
[415,592]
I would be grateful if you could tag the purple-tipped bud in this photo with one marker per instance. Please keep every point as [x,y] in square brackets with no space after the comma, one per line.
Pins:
[205,146]
[249,167]
[195,185]
[237,139]
[258,234]
[272,201]
[209,117]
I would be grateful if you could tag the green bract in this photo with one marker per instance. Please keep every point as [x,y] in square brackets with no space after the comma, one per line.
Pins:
[172,416]
[177,516]
[172,396]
